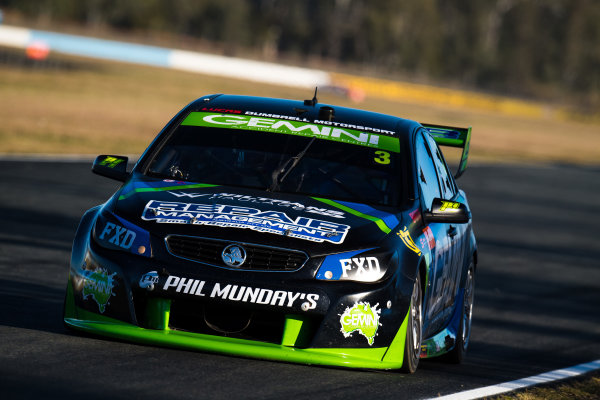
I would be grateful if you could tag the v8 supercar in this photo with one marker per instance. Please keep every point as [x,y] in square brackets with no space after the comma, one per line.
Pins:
[283,230]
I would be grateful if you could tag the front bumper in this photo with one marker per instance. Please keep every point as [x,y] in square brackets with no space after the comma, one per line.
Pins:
[105,296]
[376,357]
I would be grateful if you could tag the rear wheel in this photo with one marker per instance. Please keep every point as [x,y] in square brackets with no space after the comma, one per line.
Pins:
[412,344]
[457,354]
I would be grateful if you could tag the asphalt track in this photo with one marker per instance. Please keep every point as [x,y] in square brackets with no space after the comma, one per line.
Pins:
[537,298]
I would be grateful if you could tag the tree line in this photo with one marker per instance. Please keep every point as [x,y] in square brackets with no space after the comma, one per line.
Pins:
[538,48]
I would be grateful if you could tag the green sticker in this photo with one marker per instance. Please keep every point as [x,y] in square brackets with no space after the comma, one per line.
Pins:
[111,162]
[449,205]
[290,127]
[99,285]
[361,318]
[382,157]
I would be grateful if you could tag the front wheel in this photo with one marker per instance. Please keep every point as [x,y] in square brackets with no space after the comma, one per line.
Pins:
[457,354]
[412,344]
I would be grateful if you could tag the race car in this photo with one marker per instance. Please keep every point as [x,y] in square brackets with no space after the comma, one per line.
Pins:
[283,230]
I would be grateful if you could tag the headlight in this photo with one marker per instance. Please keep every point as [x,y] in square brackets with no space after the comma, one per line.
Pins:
[367,265]
[115,233]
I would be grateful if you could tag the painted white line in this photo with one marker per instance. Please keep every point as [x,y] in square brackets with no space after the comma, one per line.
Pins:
[523,383]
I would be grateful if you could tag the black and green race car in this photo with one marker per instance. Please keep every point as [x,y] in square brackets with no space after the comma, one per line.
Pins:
[283,230]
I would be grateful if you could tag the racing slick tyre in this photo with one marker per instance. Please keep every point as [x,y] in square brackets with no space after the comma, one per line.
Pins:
[457,354]
[412,344]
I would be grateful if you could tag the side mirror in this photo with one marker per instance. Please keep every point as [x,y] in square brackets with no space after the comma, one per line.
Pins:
[447,211]
[114,167]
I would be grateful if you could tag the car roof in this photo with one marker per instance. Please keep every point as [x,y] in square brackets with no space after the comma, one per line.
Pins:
[343,116]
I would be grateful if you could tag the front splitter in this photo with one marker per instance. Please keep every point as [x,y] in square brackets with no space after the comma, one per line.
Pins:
[371,358]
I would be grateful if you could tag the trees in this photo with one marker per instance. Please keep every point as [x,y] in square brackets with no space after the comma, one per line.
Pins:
[515,46]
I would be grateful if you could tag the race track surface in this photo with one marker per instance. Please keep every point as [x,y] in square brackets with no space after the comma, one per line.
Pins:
[537,298]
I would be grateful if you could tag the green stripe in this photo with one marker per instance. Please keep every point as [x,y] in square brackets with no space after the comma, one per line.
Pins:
[341,357]
[465,155]
[395,353]
[448,142]
[428,264]
[380,223]
[163,189]
[291,127]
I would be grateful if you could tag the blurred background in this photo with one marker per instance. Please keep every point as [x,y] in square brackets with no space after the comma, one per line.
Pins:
[82,78]
[524,73]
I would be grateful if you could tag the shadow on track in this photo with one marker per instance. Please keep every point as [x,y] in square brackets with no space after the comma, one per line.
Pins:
[31,306]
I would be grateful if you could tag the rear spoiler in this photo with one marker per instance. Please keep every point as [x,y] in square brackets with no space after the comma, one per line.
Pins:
[452,137]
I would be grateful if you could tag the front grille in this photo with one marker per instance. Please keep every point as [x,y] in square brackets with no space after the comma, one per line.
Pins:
[258,258]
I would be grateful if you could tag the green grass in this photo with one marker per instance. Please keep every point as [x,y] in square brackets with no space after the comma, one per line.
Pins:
[91,107]
[584,388]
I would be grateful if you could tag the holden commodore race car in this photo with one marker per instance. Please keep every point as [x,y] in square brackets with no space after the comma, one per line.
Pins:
[283,230]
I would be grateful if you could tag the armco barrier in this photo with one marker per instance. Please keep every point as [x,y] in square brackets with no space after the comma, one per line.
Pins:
[271,73]
[229,67]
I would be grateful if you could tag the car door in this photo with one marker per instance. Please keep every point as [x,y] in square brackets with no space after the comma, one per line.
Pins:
[441,264]
[456,232]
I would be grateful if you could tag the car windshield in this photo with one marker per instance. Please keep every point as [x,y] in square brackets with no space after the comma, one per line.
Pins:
[279,162]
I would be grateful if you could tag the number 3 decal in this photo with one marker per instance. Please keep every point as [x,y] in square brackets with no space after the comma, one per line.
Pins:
[382,157]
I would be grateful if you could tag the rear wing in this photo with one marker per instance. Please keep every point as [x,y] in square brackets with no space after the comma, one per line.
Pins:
[452,137]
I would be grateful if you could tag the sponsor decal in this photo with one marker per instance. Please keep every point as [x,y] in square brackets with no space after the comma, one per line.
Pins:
[261,200]
[239,293]
[148,280]
[352,126]
[229,216]
[361,318]
[449,205]
[114,232]
[321,129]
[118,235]
[415,215]
[424,350]
[429,237]
[221,110]
[320,122]
[350,266]
[98,285]
[276,116]
[111,162]
[361,267]
[405,236]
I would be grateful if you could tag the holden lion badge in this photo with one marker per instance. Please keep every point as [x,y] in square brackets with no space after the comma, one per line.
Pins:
[234,255]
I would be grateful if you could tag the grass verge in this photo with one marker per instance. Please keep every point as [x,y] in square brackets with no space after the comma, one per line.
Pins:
[71,105]
[586,387]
